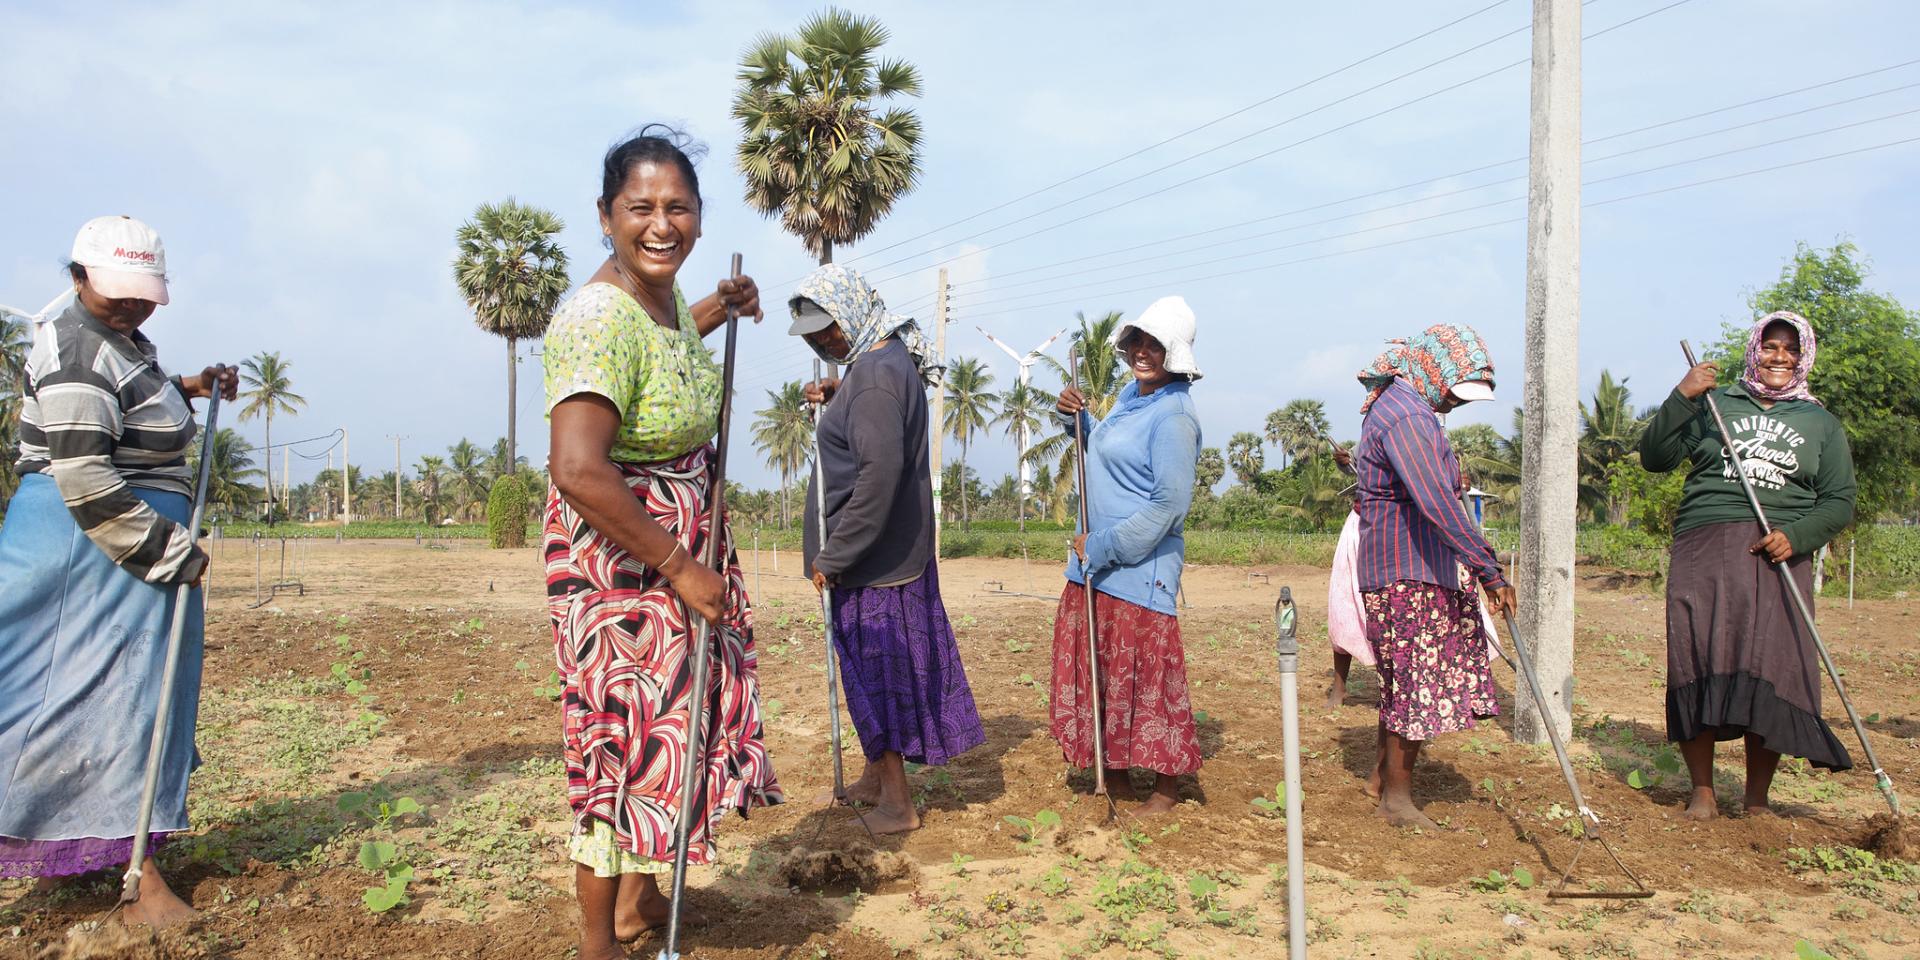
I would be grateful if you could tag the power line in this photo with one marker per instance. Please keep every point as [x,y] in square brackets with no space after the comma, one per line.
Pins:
[1259,156]
[1185,133]
[910,304]
[1406,203]
[1482,226]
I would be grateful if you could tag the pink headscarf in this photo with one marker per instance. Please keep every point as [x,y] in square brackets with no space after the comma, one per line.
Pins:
[1796,389]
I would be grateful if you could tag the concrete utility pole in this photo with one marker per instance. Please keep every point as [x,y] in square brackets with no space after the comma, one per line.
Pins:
[396,474]
[346,483]
[1550,459]
[939,426]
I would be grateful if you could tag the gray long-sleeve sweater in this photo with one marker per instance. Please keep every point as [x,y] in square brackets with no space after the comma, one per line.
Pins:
[879,489]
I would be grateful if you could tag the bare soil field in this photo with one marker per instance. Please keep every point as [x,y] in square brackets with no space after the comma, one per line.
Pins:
[389,740]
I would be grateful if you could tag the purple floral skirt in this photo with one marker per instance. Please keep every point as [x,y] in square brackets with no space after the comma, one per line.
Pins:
[66,858]
[1432,656]
[900,667]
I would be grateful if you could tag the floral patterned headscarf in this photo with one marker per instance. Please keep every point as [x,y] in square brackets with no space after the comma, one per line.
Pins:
[1796,389]
[1432,363]
[856,308]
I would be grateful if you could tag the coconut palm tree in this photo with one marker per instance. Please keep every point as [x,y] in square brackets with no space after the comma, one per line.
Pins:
[1100,379]
[1245,458]
[512,272]
[783,433]
[16,340]
[229,468]
[1022,409]
[267,390]
[969,407]
[1609,437]
[820,147]
[467,476]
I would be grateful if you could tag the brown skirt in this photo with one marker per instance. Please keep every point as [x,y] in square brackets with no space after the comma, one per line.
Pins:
[1739,661]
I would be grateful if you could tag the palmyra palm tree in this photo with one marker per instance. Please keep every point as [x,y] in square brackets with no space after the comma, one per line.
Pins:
[268,391]
[819,147]
[783,433]
[1298,429]
[969,406]
[512,273]
[1245,458]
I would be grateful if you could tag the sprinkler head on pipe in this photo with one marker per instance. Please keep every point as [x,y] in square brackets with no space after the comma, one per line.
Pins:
[1286,624]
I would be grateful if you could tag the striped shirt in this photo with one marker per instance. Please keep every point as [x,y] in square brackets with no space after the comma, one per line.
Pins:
[1412,526]
[101,418]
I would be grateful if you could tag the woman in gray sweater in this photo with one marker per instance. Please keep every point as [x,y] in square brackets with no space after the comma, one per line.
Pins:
[899,663]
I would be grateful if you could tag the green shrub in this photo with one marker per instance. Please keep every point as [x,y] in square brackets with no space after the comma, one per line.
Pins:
[507,513]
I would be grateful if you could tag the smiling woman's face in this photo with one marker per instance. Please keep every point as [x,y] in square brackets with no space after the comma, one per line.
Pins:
[1146,357]
[1779,354]
[653,223]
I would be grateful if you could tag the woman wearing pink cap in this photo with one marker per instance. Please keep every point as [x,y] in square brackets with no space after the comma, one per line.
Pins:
[92,545]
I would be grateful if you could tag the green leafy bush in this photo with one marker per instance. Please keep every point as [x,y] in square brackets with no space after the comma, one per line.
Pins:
[507,513]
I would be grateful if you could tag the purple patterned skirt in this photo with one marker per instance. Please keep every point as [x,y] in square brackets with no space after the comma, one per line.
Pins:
[900,668]
[1432,656]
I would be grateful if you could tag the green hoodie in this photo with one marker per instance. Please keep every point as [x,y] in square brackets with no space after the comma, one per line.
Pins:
[1795,453]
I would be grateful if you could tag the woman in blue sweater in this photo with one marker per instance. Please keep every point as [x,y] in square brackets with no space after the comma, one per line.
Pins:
[1140,470]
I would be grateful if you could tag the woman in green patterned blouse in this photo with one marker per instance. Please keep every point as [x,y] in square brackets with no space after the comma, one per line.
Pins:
[633,399]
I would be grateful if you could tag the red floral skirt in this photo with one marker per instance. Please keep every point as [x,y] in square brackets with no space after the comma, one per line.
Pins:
[1143,672]
[1432,657]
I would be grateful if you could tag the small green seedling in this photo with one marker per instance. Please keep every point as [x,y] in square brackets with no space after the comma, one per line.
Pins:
[1032,830]
[376,807]
[1274,807]
[1497,882]
[552,688]
[383,858]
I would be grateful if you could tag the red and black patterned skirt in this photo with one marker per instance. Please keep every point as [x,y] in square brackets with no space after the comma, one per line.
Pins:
[1143,673]
[622,640]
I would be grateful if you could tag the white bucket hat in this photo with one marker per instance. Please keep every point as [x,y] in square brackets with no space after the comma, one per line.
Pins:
[1170,321]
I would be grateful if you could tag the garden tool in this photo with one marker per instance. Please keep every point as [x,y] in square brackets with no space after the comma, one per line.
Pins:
[1589,821]
[826,619]
[693,786]
[1891,836]
[1093,626]
[1288,646]
[163,711]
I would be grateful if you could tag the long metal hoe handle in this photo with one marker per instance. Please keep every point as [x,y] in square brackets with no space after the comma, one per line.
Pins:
[176,630]
[694,777]
[1086,574]
[826,606]
[1881,780]
[1592,820]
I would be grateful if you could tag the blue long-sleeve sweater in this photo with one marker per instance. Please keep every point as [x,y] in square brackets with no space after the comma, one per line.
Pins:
[1140,475]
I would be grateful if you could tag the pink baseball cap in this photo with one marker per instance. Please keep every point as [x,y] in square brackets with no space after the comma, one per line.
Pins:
[123,257]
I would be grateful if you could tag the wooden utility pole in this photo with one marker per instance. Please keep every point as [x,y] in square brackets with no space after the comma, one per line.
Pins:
[1550,459]
[938,425]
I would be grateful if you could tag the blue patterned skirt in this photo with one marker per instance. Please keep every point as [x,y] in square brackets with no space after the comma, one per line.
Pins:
[900,668]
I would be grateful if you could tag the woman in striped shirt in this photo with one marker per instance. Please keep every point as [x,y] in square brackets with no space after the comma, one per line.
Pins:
[93,544]
[1423,623]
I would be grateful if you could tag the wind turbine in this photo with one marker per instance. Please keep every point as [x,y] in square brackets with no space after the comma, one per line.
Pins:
[1026,376]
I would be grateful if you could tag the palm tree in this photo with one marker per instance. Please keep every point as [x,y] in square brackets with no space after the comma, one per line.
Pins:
[1245,457]
[783,433]
[16,340]
[1207,471]
[512,272]
[467,475]
[228,471]
[816,150]
[1022,410]
[1100,378]
[268,391]
[969,404]
[1298,429]
[1609,436]
[428,474]
[498,460]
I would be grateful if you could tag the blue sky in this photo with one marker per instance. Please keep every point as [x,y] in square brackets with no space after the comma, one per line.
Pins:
[308,164]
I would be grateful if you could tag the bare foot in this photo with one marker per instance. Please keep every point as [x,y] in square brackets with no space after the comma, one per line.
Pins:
[1119,786]
[1372,788]
[1157,803]
[1761,809]
[47,885]
[1701,806]
[158,909]
[632,918]
[1402,813]
[1336,694]
[892,819]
